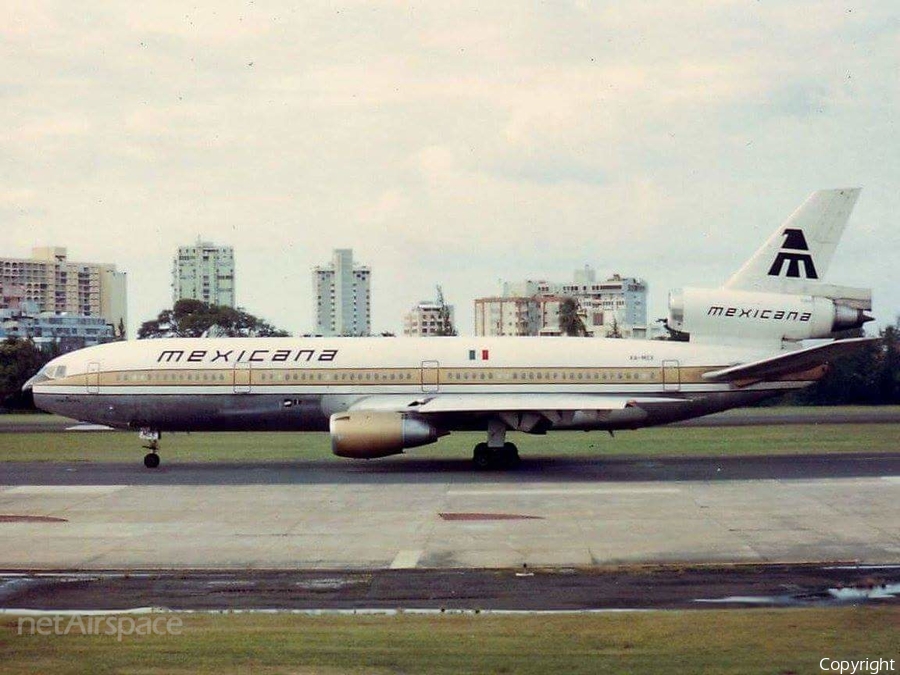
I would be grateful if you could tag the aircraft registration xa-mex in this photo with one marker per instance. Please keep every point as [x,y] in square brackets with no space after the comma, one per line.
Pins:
[380,396]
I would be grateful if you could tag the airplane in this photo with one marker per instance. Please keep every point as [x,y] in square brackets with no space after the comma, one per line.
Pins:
[747,341]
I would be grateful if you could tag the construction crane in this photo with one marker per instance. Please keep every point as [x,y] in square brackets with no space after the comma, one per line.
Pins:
[446,327]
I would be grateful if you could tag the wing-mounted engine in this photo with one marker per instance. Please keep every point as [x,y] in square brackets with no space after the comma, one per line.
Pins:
[743,316]
[364,434]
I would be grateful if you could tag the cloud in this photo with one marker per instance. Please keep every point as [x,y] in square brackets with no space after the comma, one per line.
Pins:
[452,143]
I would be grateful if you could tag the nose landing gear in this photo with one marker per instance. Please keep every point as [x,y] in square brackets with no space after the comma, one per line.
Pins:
[152,436]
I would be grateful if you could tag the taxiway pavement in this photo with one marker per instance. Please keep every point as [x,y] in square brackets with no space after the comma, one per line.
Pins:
[424,513]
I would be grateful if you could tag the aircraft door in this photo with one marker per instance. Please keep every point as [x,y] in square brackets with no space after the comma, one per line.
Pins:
[242,374]
[430,378]
[93,378]
[671,375]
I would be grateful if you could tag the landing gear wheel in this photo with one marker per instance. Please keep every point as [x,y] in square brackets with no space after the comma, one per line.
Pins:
[509,455]
[151,436]
[482,457]
[485,457]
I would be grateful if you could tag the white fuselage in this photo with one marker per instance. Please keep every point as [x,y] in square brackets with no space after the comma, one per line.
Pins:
[298,383]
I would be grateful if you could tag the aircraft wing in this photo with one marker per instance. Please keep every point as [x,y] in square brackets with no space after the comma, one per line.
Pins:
[789,363]
[480,403]
[525,412]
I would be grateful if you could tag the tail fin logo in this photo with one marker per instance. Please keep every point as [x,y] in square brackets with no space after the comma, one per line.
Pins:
[791,253]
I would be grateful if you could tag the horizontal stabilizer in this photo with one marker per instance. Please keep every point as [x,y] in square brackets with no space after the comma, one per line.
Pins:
[791,362]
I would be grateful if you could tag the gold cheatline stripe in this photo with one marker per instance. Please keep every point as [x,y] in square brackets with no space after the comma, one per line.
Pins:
[381,376]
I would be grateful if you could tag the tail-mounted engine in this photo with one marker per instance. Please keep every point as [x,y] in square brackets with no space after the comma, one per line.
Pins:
[367,435]
[751,316]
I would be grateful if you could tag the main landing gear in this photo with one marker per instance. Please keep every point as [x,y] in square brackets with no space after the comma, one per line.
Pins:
[152,436]
[496,453]
[504,457]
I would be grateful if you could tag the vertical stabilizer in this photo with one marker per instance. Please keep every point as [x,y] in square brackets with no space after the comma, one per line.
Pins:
[797,256]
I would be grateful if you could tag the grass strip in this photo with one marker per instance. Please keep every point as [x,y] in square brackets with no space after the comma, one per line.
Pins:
[115,446]
[674,642]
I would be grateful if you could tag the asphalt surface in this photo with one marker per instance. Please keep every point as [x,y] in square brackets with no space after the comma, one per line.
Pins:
[755,417]
[560,589]
[735,418]
[414,470]
[556,534]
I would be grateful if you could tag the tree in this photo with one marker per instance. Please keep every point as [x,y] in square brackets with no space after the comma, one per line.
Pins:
[887,379]
[869,376]
[570,322]
[194,318]
[19,360]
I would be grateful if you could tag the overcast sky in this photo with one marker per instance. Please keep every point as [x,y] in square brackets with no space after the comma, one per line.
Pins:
[444,142]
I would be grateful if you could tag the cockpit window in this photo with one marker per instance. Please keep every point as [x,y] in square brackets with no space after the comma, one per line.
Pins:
[51,372]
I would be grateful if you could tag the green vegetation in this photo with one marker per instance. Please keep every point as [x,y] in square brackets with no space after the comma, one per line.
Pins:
[34,419]
[192,318]
[689,642]
[570,323]
[19,360]
[117,446]
[870,376]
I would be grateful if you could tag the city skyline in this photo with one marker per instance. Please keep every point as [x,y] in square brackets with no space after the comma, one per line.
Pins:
[46,255]
[446,145]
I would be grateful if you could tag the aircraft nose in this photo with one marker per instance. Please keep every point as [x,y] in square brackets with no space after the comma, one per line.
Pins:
[37,378]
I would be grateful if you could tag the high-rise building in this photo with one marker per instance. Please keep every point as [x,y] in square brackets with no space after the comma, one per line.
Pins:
[614,307]
[509,315]
[204,272]
[342,296]
[58,286]
[428,319]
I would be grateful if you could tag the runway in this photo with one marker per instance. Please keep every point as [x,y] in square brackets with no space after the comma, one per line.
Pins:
[421,513]
[730,418]
[418,470]
[518,590]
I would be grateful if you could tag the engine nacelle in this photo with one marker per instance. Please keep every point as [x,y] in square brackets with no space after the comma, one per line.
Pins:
[744,315]
[367,435]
